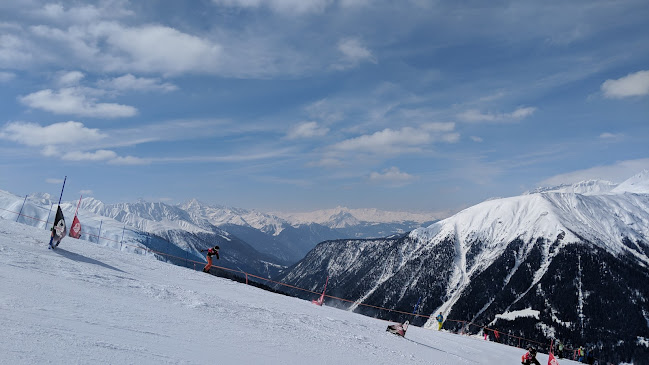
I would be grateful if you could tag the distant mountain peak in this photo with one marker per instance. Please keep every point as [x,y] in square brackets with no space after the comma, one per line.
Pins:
[587,187]
[638,184]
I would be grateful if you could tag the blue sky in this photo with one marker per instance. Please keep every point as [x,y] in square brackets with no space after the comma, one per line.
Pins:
[300,105]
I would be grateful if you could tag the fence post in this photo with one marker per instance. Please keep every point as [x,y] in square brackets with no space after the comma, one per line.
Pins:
[21,210]
[122,240]
[99,235]
[48,216]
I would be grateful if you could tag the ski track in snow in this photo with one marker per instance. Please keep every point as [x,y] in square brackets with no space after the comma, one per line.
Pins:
[85,303]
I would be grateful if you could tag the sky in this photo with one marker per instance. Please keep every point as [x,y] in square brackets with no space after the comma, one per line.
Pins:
[299,105]
[88,304]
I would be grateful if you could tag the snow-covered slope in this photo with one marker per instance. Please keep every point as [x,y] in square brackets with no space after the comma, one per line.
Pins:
[87,304]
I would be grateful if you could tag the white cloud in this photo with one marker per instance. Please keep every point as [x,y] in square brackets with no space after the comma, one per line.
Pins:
[99,155]
[130,82]
[392,176]
[54,181]
[634,84]
[386,141]
[87,192]
[70,78]
[476,139]
[6,76]
[74,15]
[474,115]
[307,130]
[32,134]
[280,6]
[154,48]
[404,140]
[438,127]
[611,136]
[353,54]
[15,52]
[83,14]
[521,113]
[617,173]
[129,160]
[57,138]
[75,102]
[326,162]
[355,51]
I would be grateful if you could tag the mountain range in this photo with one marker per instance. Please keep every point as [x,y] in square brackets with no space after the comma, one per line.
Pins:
[252,241]
[575,256]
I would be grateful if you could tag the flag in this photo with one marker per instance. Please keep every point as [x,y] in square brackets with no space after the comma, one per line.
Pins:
[320,300]
[59,225]
[75,229]
[398,329]
[552,360]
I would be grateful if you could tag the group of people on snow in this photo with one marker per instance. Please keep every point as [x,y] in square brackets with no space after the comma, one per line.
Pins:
[580,354]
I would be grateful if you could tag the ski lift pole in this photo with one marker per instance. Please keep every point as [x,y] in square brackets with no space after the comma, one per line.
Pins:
[21,209]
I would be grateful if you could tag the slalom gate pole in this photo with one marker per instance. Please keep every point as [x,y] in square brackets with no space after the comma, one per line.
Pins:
[61,196]
[416,306]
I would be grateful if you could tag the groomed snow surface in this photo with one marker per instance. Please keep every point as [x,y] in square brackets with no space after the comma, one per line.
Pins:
[88,304]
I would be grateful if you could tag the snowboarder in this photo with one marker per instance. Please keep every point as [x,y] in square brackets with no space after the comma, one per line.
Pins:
[398,329]
[214,251]
[530,357]
[440,321]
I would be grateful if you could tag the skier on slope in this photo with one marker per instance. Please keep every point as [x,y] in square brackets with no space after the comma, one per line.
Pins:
[440,321]
[530,357]
[214,251]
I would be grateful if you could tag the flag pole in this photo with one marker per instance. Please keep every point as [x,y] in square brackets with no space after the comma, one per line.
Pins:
[79,203]
[60,196]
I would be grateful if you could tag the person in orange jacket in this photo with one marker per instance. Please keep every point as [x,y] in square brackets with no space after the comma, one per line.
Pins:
[214,251]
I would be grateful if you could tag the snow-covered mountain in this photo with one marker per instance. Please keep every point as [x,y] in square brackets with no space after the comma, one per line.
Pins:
[262,242]
[341,217]
[580,259]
